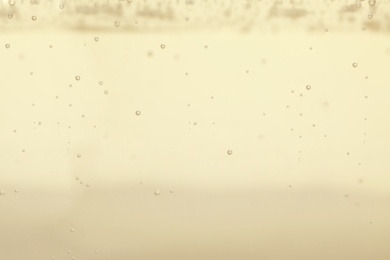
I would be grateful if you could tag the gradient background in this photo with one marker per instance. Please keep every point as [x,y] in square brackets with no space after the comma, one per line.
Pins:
[82,176]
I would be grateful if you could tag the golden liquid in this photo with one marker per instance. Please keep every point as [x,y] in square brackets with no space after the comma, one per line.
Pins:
[194,130]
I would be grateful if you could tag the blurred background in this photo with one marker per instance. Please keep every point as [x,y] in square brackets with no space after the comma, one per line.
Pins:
[210,129]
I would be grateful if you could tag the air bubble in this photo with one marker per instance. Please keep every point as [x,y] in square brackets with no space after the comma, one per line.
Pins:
[372,2]
[346,195]
[354,64]
[7,45]
[72,230]
[117,23]
[100,83]
[10,16]
[61,6]
[106,92]
[78,155]
[162,46]
[34,18]
[77,78]
[2,192]
[16,191]
[369,16]
[156,192]
[138,113]
[308,87]
[171,191]
[96,39]
[229,152]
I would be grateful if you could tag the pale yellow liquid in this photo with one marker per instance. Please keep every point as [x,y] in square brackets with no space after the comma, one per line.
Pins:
[194,130]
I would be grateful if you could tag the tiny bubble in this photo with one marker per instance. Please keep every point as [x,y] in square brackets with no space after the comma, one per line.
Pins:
[354,64]
[72,230]
[229,152]
[10,16]
[162,46]
[61,6]
[346,195]
[96,39]
[34,18]
[308,87]
[100,83]
[156,192]
[16,191]
[2,192]
[78,155]
[7,45]
[138,113]
[77,78]
[171,191]
[106,92]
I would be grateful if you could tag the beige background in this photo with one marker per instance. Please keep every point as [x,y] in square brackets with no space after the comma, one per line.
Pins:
[82,175]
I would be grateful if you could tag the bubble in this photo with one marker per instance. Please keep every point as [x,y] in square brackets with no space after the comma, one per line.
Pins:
[187,19]
[372,2]
[96,39]
[7,45]
[100,83]
[117,23]
[229,152]
[81,182]
[87,185]
[11,2]
[2,192]
[10,16]
[156,192]
[53,257]
[23,150]
[61,6]
[308,87]
[369,16]
[16,191]
[96,252]
[106,92]
[34,18]
[326,29]
[162,46]
[77,77]
[171,191]
[346,195]
[290,186]
[138,113]
[77,178]
[50,46]
[78,155]
[354,64]
[72,230]
[69,251]
[206,46]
